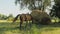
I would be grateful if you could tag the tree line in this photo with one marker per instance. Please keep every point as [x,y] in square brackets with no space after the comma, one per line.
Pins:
[4,17]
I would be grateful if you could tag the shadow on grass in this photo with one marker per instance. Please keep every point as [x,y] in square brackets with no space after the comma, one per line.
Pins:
[47,27]
[29,27]
[40,26]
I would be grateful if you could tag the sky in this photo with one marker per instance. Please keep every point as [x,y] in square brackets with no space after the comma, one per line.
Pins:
[8,7]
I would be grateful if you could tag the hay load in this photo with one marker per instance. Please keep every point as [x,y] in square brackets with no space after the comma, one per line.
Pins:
[40,17]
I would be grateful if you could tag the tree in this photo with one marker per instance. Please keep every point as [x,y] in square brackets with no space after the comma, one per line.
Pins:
[55,11]
[57,1]
[10,17]
[33,4]
[3,17]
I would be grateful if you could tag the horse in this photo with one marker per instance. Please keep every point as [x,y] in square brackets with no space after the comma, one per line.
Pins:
[23,17]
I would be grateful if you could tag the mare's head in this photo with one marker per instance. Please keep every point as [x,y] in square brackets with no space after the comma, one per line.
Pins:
[16,17]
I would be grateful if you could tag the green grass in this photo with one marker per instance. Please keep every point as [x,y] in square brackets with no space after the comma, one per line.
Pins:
[13,28]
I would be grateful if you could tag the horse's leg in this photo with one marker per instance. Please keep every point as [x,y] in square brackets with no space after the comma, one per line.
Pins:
[21,24]
[26,24]
[32,21]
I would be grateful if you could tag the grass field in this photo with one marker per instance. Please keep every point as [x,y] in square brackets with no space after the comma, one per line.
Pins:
[13,28]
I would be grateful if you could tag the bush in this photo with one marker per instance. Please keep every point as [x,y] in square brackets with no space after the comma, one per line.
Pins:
[40,17]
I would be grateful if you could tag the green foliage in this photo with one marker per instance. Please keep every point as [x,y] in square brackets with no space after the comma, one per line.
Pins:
[57,1]
[55,11]
[31,4]
[3,17]
[10,17]
[55,20]
[46,3]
